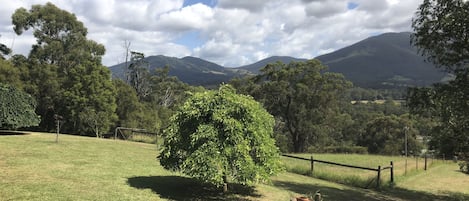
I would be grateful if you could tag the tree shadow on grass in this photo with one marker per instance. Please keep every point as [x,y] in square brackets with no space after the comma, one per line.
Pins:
[329,193]
[8,132]
[183,188]
[419,195]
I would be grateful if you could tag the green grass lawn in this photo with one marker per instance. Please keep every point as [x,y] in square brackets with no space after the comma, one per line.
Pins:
[358,177]
[34,167]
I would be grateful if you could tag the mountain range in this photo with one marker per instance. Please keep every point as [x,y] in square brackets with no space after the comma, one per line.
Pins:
[383,61]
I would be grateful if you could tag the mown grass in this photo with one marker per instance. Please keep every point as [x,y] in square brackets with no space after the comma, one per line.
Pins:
[34,167]
[357,177]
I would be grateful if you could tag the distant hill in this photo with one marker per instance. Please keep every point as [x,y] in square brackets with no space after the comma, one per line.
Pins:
[255,67]
[381,61]
[191,70]
[384,61]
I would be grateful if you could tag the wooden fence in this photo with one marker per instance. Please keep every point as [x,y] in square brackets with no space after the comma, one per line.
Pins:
[377,170]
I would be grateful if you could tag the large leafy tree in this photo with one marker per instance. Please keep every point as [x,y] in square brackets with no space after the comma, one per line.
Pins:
[167,91]
[65,71]
[447,103]
[217,136]
[303,98]
[127,103]
[16,108]
[9,74]
[132,113]
[441,32]
[387,135]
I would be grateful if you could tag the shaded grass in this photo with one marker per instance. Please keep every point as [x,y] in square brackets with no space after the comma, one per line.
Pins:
[165,187]
[7,132]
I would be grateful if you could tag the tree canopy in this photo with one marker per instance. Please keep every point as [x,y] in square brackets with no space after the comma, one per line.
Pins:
[302,97]
[64,68]
[441,32]
[449,105]
[220,135]
[16,108]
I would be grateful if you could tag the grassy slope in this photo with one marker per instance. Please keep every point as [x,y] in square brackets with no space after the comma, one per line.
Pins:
[357,177]
[34,167]
[446,178]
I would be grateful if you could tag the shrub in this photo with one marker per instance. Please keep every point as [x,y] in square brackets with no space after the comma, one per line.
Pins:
[219,135]
[339,149]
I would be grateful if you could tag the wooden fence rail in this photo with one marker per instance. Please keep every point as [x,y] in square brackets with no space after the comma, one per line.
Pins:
[378,170]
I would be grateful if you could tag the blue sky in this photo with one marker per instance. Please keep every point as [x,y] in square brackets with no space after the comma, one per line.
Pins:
[227,32]
[210,3]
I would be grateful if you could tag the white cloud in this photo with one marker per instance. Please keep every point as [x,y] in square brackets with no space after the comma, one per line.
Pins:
[232,33]
[196,16]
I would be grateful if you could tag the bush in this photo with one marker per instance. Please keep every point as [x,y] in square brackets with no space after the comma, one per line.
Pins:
[216,136]
[464,166]
[464,163]
[339,149]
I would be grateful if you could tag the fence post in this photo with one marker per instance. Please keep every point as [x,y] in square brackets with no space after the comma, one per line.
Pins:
[425,168]
[379,176]
[312,165]
[392,172]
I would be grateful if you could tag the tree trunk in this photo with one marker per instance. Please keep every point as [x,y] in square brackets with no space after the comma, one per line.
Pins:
[225,184]
[97,131]
[297,145]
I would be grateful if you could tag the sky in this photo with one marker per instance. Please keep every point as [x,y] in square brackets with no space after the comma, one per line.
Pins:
[227,32]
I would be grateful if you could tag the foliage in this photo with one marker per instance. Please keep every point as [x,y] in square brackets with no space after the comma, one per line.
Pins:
[168,91]
[88,86]
[153,111]
[448,104]
[340,149]
[362,94]
[64,70]
[138,74]
[127,103]
[4,50]
[217,135]
[387,135]
[303,98]
[16,108]
[94,121]
[9,74]
[441,30]
[464,166]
